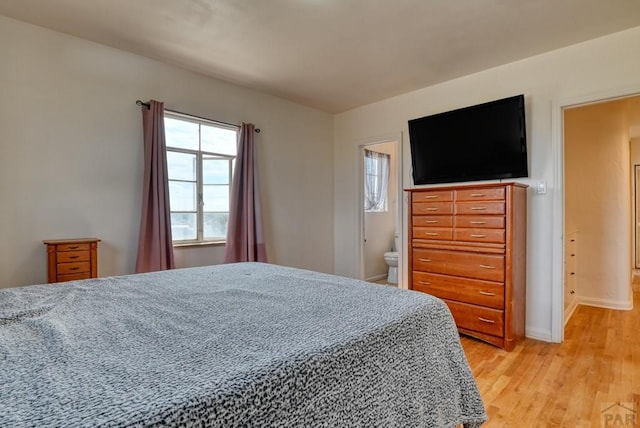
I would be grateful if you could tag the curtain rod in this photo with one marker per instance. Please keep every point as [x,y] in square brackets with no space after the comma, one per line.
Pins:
[147,105]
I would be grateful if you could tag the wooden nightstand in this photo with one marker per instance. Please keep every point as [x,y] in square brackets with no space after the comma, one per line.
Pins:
[71,259]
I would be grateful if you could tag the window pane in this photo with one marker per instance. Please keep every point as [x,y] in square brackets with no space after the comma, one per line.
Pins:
[183,226]
[182,166]
[181,134]
[216,198]
[215,171]
[215,225]
[219,140]
[182,196]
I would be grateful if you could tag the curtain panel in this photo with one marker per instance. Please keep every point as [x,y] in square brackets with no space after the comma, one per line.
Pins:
[155,247]
[245,234]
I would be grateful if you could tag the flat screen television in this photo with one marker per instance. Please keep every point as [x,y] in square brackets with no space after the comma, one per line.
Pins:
[482,142]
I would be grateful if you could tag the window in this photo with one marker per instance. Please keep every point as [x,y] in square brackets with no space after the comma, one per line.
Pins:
[200,158]
[376,181]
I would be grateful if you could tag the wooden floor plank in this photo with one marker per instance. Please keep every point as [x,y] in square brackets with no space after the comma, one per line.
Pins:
[568,384]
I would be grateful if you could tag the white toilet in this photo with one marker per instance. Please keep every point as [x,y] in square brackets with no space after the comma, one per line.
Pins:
[391,258]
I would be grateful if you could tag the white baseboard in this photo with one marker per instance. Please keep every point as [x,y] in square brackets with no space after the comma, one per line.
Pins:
[376,278]
[538,334]
[624,305]
[570,310]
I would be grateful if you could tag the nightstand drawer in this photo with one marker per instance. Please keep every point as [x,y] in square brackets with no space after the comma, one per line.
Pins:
[73,256]
[74,276]
[76,267]
[72,247]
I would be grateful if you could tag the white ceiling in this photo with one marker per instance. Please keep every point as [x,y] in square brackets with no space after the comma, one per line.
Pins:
[333,55]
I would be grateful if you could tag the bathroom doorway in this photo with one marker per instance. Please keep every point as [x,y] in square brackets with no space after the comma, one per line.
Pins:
[379,206]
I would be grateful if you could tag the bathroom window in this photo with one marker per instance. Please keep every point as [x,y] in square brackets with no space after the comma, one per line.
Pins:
[376,181]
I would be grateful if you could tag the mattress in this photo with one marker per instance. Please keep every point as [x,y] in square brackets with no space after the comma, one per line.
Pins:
[238,345]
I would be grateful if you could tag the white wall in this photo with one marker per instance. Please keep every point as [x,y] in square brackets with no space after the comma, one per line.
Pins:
[592,67]
[598,200]
[71,154]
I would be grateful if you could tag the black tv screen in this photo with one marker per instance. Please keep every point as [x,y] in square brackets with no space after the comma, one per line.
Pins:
[482,142]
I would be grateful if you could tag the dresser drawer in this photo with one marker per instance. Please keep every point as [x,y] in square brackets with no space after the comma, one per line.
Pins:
[75,267]
[480,194]
[72,256]
[433,233]
[466,290]
[480,221]
[476,208]
[477,318]
[433,196]
[480,235]
[489,267]
[432,220]
[72,247]
[433,208]
[73,276]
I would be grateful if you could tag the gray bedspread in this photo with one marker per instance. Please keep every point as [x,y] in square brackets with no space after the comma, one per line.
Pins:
[244,345]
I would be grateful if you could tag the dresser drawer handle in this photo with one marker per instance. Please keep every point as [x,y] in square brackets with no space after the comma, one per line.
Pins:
[486,293]
[478,208]
[486,320]
[432,209]
[431,197]
[477,195]
[73,257]
[431,221]
[475,235]
[478,222]
[431,233]
[424,260]
[487,267]
[73,247]
[74,268]
[424,282]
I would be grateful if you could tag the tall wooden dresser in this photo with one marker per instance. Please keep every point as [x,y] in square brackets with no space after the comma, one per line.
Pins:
[467,246]
[72,259]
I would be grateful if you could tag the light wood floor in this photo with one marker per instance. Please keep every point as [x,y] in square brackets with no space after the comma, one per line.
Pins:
[541,384]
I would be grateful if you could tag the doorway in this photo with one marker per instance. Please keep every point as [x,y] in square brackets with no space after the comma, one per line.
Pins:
[379,208]
[598,204]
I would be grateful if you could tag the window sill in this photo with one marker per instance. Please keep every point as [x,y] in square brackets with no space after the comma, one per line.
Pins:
[199,244]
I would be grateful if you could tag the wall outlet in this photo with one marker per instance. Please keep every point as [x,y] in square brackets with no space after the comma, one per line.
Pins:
[541,187]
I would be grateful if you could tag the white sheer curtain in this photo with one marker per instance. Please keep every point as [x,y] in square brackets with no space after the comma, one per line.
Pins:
[376,180]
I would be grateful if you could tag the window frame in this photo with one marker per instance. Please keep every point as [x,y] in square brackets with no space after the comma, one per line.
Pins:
[200,157]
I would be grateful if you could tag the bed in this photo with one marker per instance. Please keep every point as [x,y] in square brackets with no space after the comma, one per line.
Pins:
[239,345]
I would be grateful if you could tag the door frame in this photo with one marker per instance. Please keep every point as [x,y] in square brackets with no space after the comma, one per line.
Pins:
[399,205]
[558,208]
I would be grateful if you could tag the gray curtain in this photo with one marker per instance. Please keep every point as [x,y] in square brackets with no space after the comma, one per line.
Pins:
[245,235]
[155,247]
